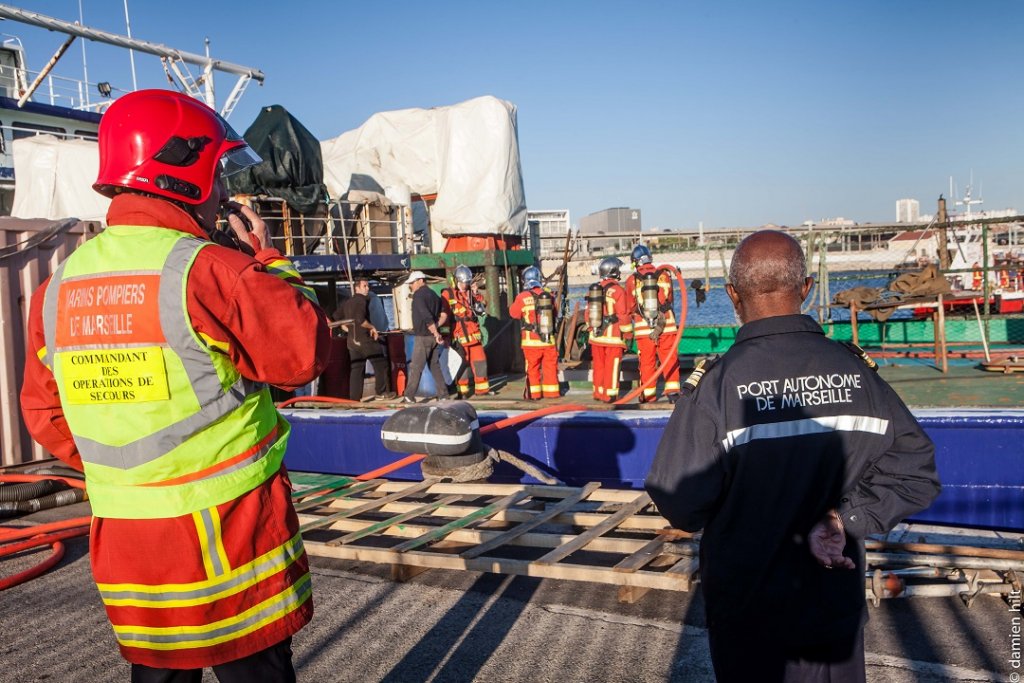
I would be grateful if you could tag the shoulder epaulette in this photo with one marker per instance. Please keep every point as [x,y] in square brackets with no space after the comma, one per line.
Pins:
[862,354]
[702,366]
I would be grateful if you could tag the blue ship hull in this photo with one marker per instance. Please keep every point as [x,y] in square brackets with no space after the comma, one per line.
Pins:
[979,454]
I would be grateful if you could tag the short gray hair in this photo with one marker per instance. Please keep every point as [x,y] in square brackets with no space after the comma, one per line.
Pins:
[779,268]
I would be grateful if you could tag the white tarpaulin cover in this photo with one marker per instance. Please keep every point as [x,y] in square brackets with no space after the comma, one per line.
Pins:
[41,192]
[468,154]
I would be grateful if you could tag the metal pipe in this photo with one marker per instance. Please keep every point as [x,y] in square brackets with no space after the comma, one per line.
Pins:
[940,590]
[961,562]
[52,24]
[939,549]
[46,69]
[131,53]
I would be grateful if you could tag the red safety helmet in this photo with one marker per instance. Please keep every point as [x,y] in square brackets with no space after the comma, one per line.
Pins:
[168,144]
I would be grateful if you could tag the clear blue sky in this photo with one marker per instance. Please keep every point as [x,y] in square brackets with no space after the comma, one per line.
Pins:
[730,113]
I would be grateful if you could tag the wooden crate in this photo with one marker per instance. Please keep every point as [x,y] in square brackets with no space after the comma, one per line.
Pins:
[558,532]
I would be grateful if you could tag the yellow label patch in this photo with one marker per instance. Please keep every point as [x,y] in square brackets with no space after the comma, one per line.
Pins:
[115,376]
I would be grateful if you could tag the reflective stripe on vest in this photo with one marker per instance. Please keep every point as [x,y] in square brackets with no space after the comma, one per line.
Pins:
[611,333]
[190,615]
[463,326]
[220,586]
[164,424]
[272,609]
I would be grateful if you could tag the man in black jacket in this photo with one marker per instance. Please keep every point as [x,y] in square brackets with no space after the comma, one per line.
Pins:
[363,342]
[787,452]
[428,316]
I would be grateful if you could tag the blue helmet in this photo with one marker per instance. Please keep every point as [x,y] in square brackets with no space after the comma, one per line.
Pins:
[531,277]
[641,255]
[463,274]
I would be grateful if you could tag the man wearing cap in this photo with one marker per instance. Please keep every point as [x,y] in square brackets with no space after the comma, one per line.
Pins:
[427,317]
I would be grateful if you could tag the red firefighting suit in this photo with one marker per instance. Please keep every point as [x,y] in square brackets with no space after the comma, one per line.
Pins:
[654,344]
[230,580]
[541,356]
[465,329]
[608,344]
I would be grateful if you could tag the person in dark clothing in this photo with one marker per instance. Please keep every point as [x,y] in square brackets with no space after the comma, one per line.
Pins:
[362,340]
[787,451]
[428,315]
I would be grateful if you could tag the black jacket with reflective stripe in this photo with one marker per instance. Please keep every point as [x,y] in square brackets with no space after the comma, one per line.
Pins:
[785,426]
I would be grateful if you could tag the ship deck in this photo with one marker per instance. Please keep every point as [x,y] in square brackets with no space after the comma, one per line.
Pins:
[914,377]
[976,448]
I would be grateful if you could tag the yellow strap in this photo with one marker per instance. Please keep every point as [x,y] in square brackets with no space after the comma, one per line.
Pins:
[211,543]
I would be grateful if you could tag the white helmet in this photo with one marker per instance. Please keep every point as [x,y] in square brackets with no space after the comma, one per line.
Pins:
[463,274]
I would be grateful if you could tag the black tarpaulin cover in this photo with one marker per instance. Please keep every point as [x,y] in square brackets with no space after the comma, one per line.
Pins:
[292,166]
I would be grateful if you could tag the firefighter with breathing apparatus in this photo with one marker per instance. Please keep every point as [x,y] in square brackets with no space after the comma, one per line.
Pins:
[467,304]
[610,327]
[654,323]
[535,307]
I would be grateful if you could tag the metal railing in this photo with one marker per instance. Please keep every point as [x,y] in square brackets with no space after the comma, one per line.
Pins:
[340,227]
[56,90]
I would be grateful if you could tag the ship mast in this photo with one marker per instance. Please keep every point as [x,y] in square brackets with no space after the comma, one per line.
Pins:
[176,59]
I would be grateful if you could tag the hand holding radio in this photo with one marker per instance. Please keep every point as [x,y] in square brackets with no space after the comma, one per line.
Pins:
[247,225]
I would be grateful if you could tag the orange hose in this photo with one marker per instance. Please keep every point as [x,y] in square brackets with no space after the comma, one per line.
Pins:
[313,399]
[391,467]
[8,534]
[533,414]
[552,410]
[53,540]
[41,534]
[34,542]
[22,478]
[32,572]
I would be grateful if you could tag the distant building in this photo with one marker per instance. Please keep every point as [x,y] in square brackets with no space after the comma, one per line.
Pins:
[837,222]
[917,246]
[908,211]
[998,213]
[548,229]
[611,231]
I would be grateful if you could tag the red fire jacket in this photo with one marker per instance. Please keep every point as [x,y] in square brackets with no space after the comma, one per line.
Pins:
[463,324]
[252,316]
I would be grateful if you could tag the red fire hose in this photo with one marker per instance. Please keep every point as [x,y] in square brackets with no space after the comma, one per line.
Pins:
[51,534]
[313,399]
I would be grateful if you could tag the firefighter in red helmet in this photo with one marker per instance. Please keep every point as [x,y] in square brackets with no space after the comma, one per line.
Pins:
[165,407]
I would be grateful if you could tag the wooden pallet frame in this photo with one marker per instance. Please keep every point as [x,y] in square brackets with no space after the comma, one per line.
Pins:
[581,534]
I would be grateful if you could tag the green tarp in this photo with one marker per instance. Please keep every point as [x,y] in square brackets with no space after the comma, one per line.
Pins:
[292,166]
